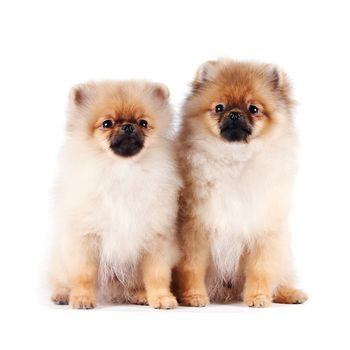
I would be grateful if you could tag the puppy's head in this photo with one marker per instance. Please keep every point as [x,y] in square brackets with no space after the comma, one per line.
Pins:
[122,117]
[237,101]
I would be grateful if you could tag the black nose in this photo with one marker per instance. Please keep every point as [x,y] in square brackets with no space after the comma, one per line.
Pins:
[234,115]
[128,128]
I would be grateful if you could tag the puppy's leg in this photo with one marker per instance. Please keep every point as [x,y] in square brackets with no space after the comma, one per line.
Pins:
[289,295]
[263,270]
[57,279]
[191,271]
[83,269]
[156,271]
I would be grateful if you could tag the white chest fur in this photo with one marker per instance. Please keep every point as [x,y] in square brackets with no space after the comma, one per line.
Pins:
[124,214]
[239,184]
[123,202]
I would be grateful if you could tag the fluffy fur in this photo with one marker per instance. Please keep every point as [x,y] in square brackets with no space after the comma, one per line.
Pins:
[236,150]
[116,209]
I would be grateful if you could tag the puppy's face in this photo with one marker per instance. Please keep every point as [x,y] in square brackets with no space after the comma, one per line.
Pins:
[123,127]
[122,118]
[238,102]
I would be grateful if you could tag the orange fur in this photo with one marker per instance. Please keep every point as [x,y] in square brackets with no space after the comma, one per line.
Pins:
[233,249]
[156,270]
[289,295]
[189,276]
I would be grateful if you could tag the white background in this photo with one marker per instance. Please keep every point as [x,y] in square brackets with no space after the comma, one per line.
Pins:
[48,46]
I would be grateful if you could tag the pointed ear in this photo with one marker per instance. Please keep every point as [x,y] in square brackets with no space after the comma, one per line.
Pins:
[160,91]
[280,83]
[81,94]
[276,76]
[206,72]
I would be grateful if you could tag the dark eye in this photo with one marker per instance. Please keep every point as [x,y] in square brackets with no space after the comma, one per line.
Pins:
[107,124]
[253,109]
[143,123]
[219,108]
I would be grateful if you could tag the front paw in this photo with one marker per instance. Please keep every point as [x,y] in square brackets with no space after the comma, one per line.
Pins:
[258,300]
[162,301]
[82,301]
[195,300]
[139,298]
[60,299]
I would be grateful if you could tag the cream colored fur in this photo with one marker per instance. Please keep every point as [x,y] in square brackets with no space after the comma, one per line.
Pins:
[128,205]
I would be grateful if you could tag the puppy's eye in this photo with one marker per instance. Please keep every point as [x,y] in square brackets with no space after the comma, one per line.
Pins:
[253,109]
[143,123]
[107,124]
[219,108]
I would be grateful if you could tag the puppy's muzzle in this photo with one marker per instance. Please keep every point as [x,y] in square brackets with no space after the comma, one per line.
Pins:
[235,127]
[128,142]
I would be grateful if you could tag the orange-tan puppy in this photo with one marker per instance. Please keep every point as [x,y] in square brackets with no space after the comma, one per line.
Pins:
[237,155]
[116,199]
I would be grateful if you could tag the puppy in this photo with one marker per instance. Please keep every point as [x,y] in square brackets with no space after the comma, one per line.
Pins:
[116,198]
[237,155]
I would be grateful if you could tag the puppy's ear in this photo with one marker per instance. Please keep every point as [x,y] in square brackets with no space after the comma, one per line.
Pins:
[206,72]
[80,95]
[276,76]
[279,82]
[160,91]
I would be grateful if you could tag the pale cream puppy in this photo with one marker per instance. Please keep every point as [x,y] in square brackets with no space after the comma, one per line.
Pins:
[116,197]
[237,153]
